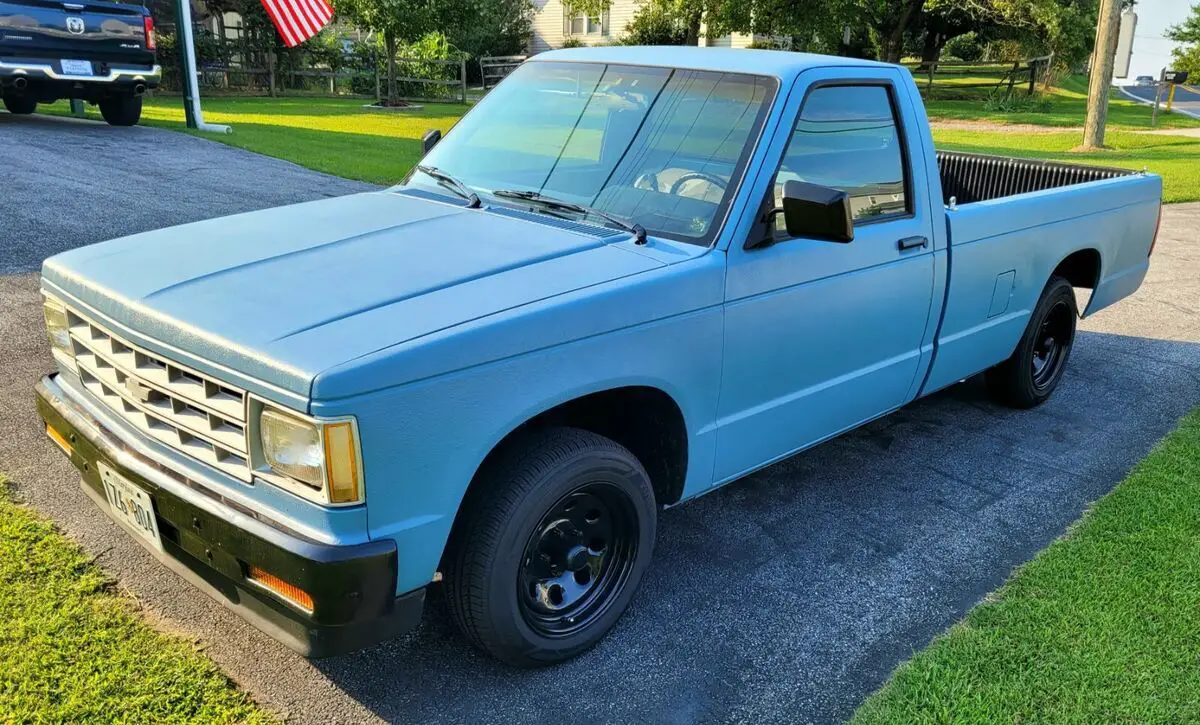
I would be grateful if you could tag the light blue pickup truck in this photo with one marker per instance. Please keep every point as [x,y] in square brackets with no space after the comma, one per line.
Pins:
[627,277]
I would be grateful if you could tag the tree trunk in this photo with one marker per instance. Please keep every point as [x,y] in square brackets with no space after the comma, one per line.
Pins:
[389,42]
[1101,73]
[693,29]
[893,44]
[932,49]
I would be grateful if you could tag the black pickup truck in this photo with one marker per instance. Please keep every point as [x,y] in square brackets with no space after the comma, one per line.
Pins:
[99,52]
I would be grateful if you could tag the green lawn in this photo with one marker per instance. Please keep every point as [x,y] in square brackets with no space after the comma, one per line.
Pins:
[74,650]
[334,135]
[1175,158]
[1067,107]
[1102,626]
[340,137]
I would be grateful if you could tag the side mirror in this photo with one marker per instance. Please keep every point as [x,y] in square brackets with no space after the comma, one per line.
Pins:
[430,139]
[817,212]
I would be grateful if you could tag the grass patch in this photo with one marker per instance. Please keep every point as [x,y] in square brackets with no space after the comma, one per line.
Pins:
[71,650]
[338,136]
[1064,106]
[1175,158]
[1102,626]
[334,135]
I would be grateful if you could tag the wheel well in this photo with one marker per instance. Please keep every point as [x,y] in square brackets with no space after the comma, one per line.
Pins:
[645,420]
[1081,269]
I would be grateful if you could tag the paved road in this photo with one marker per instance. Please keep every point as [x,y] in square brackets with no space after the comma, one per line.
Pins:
[785,598]
[1186,101]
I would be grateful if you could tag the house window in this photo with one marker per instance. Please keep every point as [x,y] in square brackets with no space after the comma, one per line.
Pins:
[584,24]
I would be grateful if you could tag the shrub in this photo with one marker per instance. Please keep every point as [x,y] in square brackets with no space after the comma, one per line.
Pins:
[1003,103]
[965,47]
[572,41]
[654,25]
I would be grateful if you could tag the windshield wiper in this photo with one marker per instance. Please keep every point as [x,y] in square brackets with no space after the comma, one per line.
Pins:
[638,231]
[453,183]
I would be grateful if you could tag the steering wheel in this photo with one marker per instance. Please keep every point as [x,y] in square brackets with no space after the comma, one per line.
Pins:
[698,176]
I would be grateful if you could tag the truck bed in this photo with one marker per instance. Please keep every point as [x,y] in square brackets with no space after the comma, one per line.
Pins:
[968,178]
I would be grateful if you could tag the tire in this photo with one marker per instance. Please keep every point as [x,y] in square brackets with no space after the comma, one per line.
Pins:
[20,105]
[547,555]
[1029,377]
[121,110]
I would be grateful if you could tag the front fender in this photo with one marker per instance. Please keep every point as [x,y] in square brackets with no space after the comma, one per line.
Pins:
[423,442]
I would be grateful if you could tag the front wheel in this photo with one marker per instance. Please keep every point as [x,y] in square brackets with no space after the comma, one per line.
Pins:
[548,554]
[121,110]
[20,105]
[1033,371]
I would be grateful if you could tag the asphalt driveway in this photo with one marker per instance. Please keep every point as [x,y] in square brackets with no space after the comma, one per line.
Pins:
[784,598]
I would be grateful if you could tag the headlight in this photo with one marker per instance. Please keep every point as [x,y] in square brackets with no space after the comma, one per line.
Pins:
[320,455]
[57,326]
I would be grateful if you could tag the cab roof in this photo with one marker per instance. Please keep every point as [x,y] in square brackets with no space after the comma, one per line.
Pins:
[778,63]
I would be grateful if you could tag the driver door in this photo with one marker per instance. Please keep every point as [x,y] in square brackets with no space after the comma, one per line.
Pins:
[822,336]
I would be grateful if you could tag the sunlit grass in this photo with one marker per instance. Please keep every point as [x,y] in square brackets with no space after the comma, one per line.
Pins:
[1101,627]
[1067,107]
[72,650]
[1175,158]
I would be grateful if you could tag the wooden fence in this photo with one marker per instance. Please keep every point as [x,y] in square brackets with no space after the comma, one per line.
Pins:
[495,68]
[961,79]
[238,66]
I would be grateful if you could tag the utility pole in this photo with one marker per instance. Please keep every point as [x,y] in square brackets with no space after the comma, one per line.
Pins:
[1108,26]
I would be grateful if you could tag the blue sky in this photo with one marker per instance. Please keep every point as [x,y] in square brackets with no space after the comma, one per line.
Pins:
[1151,50]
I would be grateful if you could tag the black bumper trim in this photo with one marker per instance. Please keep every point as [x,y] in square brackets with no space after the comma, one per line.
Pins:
[211,545]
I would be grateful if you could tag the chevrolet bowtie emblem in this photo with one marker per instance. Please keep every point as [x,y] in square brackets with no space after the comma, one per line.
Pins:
[138,391]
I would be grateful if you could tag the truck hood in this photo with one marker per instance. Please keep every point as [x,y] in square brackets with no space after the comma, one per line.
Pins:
[283,294]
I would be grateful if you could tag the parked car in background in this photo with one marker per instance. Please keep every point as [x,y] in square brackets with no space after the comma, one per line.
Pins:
[90,50]
[628,276]
[1145,80]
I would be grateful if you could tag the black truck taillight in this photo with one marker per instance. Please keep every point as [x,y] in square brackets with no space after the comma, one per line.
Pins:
[149,24]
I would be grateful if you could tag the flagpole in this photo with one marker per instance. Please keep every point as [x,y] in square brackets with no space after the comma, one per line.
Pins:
[193,115]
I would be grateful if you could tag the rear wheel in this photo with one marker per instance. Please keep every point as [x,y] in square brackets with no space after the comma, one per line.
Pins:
[1032,373]
[20,105]
[548,555]
[121,110]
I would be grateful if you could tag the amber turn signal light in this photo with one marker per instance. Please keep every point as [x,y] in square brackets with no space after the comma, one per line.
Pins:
[290,592]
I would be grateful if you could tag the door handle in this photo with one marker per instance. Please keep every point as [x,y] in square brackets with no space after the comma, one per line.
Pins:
[912,243]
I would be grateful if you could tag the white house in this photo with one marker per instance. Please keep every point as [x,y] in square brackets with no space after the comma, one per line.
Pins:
[554,22]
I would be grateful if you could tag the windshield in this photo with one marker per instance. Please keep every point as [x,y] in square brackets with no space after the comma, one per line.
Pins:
[660,147]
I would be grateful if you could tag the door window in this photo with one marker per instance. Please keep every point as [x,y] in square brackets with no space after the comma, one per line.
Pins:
[847,137]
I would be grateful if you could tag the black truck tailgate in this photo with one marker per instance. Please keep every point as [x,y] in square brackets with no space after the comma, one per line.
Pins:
[86,29]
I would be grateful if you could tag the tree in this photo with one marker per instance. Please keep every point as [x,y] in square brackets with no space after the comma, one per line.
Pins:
[1186,57]
[396,20]
[487,27]
[1100,80]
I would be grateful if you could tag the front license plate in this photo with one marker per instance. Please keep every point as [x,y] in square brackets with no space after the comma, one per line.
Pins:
[130,505]
[76,67]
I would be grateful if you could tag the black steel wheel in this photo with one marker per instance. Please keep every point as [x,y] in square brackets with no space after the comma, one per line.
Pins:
[1035,368]
[550,546]
[577,557]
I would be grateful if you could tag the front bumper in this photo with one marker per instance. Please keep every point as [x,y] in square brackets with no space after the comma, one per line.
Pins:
[41,69]
[213,543]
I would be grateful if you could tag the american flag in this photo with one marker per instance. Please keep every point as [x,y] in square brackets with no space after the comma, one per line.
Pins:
[298,20]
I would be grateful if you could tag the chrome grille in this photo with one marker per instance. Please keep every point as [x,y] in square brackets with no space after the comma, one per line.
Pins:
[175,405]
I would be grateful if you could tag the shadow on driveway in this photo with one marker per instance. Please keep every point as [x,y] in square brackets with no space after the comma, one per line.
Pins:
[791,595]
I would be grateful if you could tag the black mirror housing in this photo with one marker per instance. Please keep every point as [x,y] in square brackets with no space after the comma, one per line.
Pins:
[817,212]
[430,139]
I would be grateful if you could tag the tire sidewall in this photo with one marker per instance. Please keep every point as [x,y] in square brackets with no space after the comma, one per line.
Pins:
[592,466]
[1057,289]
